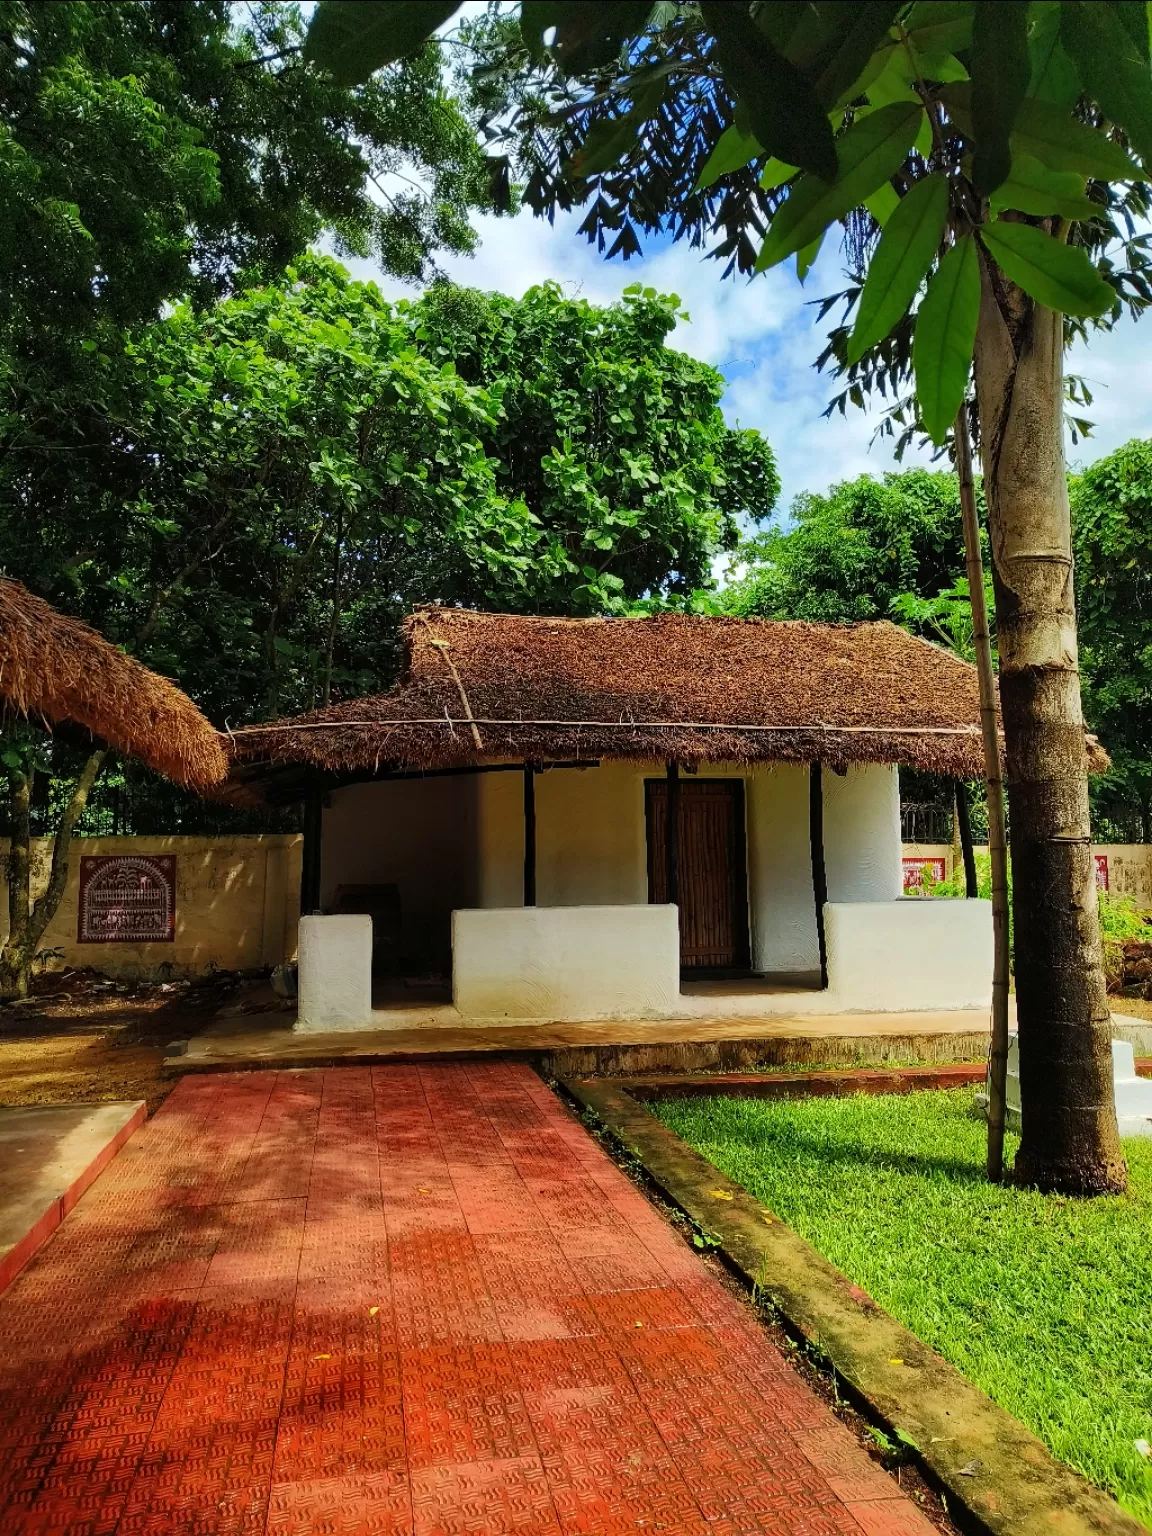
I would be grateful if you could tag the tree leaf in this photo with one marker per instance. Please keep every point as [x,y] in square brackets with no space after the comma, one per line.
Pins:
[783,110]
[882,203]
[1054,76]
[865,26]
[945,336]
[776,173]
[1050,135]
[807,256]
[910,240]
[868,155]
[731,152]
[1001,70]
[940,26]
[1033,188]
[1059,276]
[1112,63]
[352,39]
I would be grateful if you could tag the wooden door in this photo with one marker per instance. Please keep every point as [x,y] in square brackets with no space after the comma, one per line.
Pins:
[713,878]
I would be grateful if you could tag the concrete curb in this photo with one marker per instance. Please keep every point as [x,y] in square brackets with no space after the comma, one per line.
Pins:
[13,1260]
[994,1471]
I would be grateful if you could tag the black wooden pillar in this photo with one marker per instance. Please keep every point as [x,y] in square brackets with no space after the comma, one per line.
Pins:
[529,834]
[310,859]
[819,872]
[672,837]
[964,823]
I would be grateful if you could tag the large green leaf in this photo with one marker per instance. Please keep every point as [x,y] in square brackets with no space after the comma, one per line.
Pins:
[882,203]
[352,39]
[1056,275]
[1000,72]
[807,256]
[731,152]
[1112,63]
[1050,135]
[945,336]
[867,156]
[907,247]
[1033,188]
[863,27]
[1054,76]
[776,173]
[783,110]
[940,26]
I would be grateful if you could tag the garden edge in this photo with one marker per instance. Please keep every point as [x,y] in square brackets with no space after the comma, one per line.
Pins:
[997,1476]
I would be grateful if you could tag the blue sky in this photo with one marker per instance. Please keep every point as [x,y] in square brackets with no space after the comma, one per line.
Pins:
[764,337]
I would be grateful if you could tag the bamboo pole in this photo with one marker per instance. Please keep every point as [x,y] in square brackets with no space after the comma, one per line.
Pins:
[997,832]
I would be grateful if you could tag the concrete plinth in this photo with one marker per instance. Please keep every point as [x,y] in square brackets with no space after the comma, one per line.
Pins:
[335,973]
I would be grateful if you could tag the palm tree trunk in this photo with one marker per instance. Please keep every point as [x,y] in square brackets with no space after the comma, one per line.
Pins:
[1070,1141]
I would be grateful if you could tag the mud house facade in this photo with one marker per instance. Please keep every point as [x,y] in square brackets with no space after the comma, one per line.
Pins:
[666,817]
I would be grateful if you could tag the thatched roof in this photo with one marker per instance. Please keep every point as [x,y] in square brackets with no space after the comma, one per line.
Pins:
[58,669]
[482,686]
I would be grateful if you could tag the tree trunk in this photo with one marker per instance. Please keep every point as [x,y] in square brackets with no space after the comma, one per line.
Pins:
[13,977]
[994,786]
[1070,1141]
[27,920]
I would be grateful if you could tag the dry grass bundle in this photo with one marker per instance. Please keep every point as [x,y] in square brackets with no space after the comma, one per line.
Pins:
[60,669]
[482,686]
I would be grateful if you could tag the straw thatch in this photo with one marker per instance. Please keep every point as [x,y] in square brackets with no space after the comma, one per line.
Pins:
[479,686]
[58,669]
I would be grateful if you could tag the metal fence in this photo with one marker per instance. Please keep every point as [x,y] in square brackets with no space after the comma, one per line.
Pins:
[921,823]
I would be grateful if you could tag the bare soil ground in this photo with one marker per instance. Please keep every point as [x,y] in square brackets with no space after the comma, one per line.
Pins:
[84,1038]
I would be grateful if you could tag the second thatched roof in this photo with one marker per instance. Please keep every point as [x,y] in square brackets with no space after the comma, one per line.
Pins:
[59,669]
[481,686]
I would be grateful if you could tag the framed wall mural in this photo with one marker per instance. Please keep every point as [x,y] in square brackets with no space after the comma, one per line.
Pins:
[914,872]
[127,899]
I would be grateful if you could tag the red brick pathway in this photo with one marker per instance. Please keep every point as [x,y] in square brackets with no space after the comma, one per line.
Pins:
[414,1299]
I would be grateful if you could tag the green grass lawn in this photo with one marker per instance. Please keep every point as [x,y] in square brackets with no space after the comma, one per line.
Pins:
[1043,1302]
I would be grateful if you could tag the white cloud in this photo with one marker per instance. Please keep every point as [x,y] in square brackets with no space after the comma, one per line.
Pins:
[764,336]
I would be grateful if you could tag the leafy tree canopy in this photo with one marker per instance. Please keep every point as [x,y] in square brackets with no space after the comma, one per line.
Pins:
[613,439]
[849,553]
[299,464]
[1112,533]
[153,148]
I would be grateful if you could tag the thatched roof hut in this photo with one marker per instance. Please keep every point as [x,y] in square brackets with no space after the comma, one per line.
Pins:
[61,670]
[482,686]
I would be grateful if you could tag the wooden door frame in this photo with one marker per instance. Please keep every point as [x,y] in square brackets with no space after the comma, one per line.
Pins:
[741,916]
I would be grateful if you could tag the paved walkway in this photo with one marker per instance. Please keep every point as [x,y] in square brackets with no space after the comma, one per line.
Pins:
[398,1299]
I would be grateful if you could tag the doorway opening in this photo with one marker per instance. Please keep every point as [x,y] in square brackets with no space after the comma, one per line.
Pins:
[713,872]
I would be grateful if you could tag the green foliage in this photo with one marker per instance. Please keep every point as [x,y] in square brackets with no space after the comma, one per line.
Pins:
[1121,921]
[295,467]
[849,554]
[945,334]
[945,618]
[697,119]
[151,150]
[907,248]
[1038,1300]
[615,442]
[1059,276]
[1112,542]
